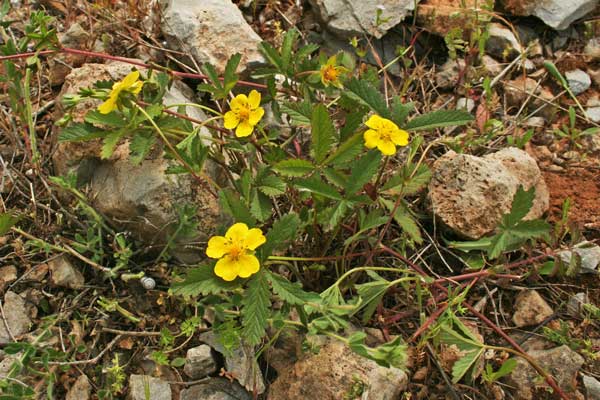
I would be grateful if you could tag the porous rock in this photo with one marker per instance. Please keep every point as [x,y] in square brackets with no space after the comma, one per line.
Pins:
[561,362]
[558,14]
[333,372]
[211,31]
[530,309]
[348,18]
[139,384]
[470,194]
[442,16]
[16,316]
[215,389]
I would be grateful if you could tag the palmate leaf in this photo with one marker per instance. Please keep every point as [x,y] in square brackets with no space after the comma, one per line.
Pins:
[260,206]
[232,204]
[316,186]
[140,146]
[438,119]
[347,151]
[255,311]
[80,132]
[300,113]
[202,281]
[363,170]
[521,204]
[362,92]
[370,294]
[294,167]
[322,133]
[405,220]
[281,233]
[454,332]
[291,293]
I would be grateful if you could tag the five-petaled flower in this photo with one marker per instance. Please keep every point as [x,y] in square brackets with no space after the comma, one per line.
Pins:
[235,251]
[130,84]
[245,113]
[385,135]
[330,73]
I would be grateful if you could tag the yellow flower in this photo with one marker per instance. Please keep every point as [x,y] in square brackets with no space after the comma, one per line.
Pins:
[236,251]
[330,73]
[245,113]
[385,135]
[130,84]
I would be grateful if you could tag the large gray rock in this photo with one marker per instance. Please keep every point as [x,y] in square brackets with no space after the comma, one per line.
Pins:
[347,18]
[16,315]
[139,385]
[561,362]
[470,194]
[558,14]
[215,389]
[211,31]
[530,309]
[333,372]
[199,362]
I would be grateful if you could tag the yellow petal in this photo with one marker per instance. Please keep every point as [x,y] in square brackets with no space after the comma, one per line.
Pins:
[247,265]
[244,129]
[386,147]
[231,120]
[217,247]
[256,115]
[254,99]
[131,78]
[374,122]
[255,238]
[239,101]
[109,105]
[136,87]
[227,268]
[399,137]
[371,138]
[237,233]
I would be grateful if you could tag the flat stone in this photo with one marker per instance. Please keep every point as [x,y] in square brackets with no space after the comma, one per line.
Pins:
[64,274]
[8,274]
[578,81]
[589,254]
[530,309]
[592,387]
[17,317]
[593,113]
[199,362]
[575,304]
[215,389]
[558,14]
[81,389]
[139,384]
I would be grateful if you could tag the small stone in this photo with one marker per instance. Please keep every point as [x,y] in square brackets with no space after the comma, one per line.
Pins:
[592,387]
[595,74]
[535,122]
[592,143]
[575,304]
[593,113]
[578,81]
[465,104]
[158,389]
[216,389]
[199,362]
[592,48]
[589,254]
[64,274]
[530,309]
[519,90]
[81,389]
[571,155]
[17,317]
[502,43]
[447,76]
[491,65]
[8,275]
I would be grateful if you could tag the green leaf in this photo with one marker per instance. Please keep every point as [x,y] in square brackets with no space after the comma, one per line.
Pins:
[362,92]
[405,220]
[271,185]
[315,185]
[201,281]
[352,123]
[400,111]
[7,221]
[291,293]
[465,363]
[260,206]
[521,204]
[363,170]
[347,150]
[230,77]
[80,133]
[330,217]
[232,204]
[140,146]
[439,119]
[113,119]
[322,132]
[255,311]
[294,167]
[371,294]
[286,48]
[272,55]
[110,142]
[281,233]
[300,113]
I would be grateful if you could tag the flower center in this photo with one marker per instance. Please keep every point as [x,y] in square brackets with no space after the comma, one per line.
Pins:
[244,113]
[330,73]
[385,135]
[235,251]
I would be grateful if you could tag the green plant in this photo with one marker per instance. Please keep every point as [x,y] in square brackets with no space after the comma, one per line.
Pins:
[572,133]
[490,376]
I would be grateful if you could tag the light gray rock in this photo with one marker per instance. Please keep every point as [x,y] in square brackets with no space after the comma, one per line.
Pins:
[561,362]
[140,384]
[592,48]
[558,14]
[199,362]
[447,76]
[81,389]
[211,31]
[502,43]
[64,274]
[491,65]
[216,389]
[575,304]
[593,113]
[592,387]
[465,103]
[17,317]
[471,194]
[530,309]
[348,18]
[589,254]
[578,81]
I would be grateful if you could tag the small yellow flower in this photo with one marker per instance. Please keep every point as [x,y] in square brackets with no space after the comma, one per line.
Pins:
[245,113]
[130,84]
[236,251]
[330,73]
[385,135]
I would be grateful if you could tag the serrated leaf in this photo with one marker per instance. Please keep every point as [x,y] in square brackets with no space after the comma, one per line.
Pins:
[281,233]
[260,206]
[465,364]
[352,123]
[140,146]
[316,186]
[405,220]
[362,92]
[231,77]
[80,133]
[113,119]
[300,113]
[530,229]
[109,143]
[201,281]
[399,184]
[371,294]
[330,217]
[294,167]
[7,221]
[336,177]
[438,119]
[347,150]
[291,293]
[255,311]
[286,48]
[272,185]
[400,111]
[322,133]
[521,204]
[363,170]
[232,204]
[271,55]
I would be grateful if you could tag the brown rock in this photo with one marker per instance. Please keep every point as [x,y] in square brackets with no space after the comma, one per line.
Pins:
[530,309]
[81,390]
[64,274]
[441,16]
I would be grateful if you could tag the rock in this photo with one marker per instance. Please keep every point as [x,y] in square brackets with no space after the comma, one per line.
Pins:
[592,387]
[8,274]
[470,194]
[592,143]
[347,18]
[447,76]
[17,317]
[518,90]
[592,49]
[589,254]
[502,43]
[64,274]
[578,81]
[333,373]
[465,103]
[199,362]
[142,199]
[241,363]
[211,31]
[215,389]
[575,304]
[561,362]
[491,65]
[61,64]
[593,113]
[595,75]
[558,14]
[530,309]
[81,389]
[158,389]
[441,16]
